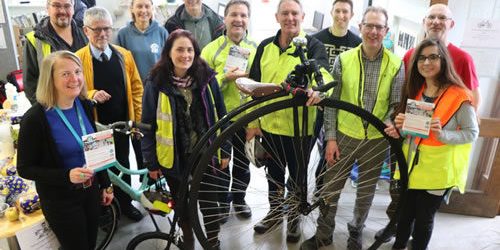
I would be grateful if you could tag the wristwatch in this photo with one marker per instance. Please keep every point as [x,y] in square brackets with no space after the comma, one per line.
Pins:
[109,190]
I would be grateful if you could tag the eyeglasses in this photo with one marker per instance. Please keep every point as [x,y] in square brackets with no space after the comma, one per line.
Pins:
[68,74]
[98,30]
[431,57]
[441,18]
[370,26]
[58,6]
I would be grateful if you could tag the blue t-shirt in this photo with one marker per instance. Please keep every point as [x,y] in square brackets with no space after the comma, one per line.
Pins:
[68,148]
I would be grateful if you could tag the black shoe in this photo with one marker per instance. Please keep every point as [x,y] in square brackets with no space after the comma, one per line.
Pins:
[271,220]
[391,232]
[355,240]
[131,212]
[242,210]
[314,243]
[293,230]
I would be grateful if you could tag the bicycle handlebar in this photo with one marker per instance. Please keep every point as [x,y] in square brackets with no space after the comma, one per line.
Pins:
[128,125]
[326,87]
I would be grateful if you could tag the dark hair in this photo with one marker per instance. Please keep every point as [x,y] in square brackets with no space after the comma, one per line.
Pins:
[164,68]
[344,1]
[376,10]
[236,2]
[415,81]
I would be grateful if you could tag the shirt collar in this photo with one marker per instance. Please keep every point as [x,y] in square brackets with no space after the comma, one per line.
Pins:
[96,53]
[377,57]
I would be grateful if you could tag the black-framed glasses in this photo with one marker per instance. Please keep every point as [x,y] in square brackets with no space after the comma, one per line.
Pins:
[59,6]
[371,26]
[441,18]
[431,57]
[98,30]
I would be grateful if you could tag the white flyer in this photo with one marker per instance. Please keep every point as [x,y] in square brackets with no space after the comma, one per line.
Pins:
[37,237]
[99,150]
[418,116]
[237,58]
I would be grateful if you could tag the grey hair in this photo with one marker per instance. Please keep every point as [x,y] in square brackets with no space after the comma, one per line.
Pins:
[376,9]
[72,2]
[96,14]
[297,1]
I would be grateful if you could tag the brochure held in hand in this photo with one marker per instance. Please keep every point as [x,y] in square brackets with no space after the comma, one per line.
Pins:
[418,116]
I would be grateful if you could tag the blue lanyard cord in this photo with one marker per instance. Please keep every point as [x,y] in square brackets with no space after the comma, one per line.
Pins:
[70,127]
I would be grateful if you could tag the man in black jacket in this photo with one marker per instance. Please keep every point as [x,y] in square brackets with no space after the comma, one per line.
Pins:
[57,31]
[203,22]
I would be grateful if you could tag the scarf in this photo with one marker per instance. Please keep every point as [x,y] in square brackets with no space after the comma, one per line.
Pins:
[182,82]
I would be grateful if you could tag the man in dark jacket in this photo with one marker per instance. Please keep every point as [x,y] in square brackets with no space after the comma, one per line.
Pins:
[198,18]
[57,31]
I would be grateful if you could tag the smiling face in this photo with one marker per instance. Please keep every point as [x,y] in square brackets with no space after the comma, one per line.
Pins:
[142,11]
[182,55]
[68,79]
[290,17]
[429,63]
[438,22]
[341,15]
[99,33]
[60,12]
[373,30]
[236,21]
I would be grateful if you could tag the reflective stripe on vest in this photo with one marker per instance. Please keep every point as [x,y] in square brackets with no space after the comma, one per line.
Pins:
[438,165]
[164,132]
[353,90]
[42,48]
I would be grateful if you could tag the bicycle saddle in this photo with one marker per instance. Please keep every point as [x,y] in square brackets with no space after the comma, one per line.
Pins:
[256,89]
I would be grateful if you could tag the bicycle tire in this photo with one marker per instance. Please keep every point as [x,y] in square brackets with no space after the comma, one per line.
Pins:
[204,161]
[151,241]
[108,222]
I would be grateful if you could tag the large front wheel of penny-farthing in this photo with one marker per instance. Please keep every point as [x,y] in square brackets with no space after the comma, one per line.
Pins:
[295,193]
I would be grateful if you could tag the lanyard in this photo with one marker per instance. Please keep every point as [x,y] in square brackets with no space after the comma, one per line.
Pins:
[70,127]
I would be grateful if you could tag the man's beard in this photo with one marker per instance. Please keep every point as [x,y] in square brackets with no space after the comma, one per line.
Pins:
[63,23]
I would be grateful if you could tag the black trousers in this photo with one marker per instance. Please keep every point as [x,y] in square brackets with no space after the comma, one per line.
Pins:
[208,201]
[283,154]
[240,173]
[418,210]
[74,220]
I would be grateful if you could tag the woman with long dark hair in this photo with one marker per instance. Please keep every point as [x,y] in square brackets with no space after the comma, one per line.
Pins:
[182,101]
[439,162]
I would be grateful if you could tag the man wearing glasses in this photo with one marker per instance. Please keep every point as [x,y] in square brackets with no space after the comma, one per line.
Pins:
[114,83]
[437,23]
[371,77]
[57,31]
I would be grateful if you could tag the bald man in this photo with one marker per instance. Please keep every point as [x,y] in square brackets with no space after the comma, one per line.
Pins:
[437,23]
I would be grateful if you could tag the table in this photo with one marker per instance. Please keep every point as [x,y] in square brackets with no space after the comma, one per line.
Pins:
[8,229]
